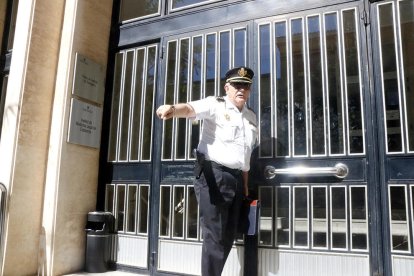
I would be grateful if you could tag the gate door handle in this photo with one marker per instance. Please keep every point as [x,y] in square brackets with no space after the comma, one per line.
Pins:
[340,171]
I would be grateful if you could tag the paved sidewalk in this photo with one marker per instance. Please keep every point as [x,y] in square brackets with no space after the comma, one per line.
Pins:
[109,273]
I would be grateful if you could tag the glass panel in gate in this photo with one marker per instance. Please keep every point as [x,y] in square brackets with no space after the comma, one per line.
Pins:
[309,78]
[358,218]
[316,88]
[396,25]
[132,112]
[179,215]
[300,217]
[336,117]
[390,79]
[319,213]
[353,89]
[129,204]
[326,217]
[406,11]
[399,219]
[299,105]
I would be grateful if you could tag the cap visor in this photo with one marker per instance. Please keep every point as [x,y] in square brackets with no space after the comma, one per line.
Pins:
[243,80]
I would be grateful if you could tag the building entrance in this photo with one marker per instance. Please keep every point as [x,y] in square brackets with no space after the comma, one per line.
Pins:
[332,170]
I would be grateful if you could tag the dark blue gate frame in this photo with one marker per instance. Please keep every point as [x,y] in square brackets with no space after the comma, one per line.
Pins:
[380,265]
[392,169]
[222,13]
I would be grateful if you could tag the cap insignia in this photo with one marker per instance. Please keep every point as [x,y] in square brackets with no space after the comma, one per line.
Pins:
[242,72]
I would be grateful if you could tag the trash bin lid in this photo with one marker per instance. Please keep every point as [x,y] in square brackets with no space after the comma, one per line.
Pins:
[100,216]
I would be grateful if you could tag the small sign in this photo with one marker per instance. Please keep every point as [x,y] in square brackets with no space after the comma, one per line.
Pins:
[89,79]
[85,124]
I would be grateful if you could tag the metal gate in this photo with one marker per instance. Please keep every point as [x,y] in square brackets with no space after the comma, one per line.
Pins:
[333,170]
[314,111]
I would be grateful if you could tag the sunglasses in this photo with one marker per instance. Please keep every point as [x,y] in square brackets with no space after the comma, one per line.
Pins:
[240,85]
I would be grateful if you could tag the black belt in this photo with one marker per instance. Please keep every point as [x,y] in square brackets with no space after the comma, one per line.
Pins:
[235,172]
[200,159]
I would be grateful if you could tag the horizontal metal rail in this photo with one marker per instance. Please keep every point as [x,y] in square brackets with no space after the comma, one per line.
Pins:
[339,170]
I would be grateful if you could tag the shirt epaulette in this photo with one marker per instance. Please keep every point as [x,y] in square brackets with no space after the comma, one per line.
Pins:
[249,108]
[220,99]
[251,116]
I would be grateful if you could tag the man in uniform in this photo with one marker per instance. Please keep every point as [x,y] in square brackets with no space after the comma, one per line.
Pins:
[223,161]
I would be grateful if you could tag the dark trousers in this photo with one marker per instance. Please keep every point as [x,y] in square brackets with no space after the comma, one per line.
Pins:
[219,193]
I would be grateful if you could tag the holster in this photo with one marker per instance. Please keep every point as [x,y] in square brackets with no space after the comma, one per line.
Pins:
[203,166]
[199,163]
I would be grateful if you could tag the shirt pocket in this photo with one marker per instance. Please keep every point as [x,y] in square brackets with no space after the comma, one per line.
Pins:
[228,131]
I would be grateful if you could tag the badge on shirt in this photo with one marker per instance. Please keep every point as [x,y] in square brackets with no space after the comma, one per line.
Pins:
[227,117]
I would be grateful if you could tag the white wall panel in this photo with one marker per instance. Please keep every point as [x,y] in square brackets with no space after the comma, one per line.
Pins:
[185,257]
[179,257]
[132,250]
[284,263]
[234,264]
[402,266]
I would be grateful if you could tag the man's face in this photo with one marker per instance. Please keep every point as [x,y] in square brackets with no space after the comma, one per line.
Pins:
[238,93]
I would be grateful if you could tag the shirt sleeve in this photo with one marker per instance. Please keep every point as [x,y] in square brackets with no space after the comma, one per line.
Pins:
[204,108]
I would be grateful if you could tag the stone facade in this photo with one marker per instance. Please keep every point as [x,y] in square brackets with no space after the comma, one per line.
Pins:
[51,183]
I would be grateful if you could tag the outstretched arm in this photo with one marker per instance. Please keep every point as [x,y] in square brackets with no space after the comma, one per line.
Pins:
[181,110]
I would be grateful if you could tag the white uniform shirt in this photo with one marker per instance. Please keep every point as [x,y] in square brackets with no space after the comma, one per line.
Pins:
[229,135]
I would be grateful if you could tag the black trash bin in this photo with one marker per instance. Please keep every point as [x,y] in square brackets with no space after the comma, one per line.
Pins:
[100,229]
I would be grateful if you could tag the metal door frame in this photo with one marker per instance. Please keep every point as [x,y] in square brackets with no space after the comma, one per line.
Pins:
[377,199]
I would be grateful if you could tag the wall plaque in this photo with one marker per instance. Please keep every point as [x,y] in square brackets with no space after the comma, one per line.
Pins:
[89,79]
[85,124]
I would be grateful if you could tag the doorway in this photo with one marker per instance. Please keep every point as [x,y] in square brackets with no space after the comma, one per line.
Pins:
[333,166]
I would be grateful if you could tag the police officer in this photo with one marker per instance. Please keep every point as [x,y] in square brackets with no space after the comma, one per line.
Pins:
[223,161]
